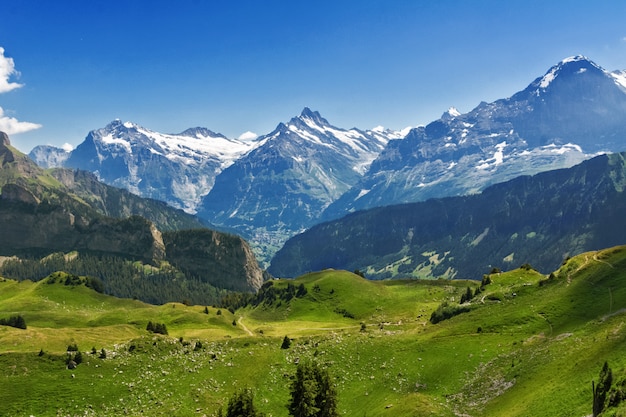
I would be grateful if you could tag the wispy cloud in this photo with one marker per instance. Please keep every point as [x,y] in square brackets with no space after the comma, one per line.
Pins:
[248,136]
[7,70]
[12,126]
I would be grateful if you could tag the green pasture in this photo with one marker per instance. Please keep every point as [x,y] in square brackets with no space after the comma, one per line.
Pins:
[529,345]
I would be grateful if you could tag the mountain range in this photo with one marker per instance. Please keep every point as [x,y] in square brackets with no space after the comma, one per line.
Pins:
[176,168]
[536,220]
[307,170]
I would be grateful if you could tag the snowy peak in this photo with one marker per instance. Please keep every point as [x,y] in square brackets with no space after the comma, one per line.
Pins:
[620,78]
[47,156]
[200,133]
[572,66]
[193,144]
[310,129]
[307,113]
[450,114]
[309,118]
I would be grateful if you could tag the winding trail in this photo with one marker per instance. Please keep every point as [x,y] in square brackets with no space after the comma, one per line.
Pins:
[243,326]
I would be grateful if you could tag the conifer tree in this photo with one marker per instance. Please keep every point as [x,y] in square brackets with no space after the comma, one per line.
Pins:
[600,391]
[286,343]
[241,404]
[312,393]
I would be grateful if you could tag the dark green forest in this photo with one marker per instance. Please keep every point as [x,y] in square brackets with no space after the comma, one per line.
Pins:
[119,277]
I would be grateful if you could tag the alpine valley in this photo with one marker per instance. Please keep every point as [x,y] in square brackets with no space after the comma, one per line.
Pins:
[308,170]
[112,303]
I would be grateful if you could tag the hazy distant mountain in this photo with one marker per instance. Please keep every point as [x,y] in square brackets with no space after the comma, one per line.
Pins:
[575,110]
[538,220]
[47,156]
[282,186]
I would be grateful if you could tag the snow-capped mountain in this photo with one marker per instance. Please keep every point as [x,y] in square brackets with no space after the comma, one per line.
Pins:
[282,186]
[47,156]
[573,111]
[179,169]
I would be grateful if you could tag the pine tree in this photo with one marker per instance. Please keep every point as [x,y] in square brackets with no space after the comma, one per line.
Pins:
[312,393]
[600,391]
[286,343]
[303,392]
[241,404]
[326,399]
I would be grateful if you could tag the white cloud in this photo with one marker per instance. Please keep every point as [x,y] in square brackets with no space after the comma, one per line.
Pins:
[12,126]
[248,136]
[7,70]
[67,147]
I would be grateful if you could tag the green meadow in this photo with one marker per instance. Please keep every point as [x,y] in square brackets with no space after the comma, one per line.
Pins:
[528,345]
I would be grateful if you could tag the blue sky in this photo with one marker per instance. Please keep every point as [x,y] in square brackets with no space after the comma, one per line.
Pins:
[236,66]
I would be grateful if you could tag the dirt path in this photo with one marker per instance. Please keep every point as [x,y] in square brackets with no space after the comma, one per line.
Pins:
[243,326]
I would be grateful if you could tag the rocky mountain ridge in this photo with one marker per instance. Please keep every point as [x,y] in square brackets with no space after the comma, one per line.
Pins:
[539,220]
[576,110]
[281,186]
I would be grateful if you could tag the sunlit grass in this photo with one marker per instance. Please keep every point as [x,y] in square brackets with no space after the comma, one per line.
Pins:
[523,349]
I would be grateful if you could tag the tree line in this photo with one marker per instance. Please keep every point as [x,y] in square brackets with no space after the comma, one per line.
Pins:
[118,277]
[268,294]
[14,321]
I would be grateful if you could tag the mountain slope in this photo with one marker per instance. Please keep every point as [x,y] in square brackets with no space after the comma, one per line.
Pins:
[538,220]
[525,346]
[282,186]
[576,109]
[40,215]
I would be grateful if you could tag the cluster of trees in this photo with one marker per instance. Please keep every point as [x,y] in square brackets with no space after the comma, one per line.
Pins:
[74,280]
[312,394]
[74,356]
[468,295]
[118,277]
[268,294]
[446,311]
[14,321]
[159,328]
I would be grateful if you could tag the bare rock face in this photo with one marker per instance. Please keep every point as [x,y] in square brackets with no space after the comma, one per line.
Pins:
[6,156]
[14,192]
[223,260]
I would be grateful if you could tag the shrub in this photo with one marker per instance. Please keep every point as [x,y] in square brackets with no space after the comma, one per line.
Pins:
[286,343]
[446,311]
[14,321]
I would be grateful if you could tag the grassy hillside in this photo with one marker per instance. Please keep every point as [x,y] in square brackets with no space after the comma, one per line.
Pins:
[529,345]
